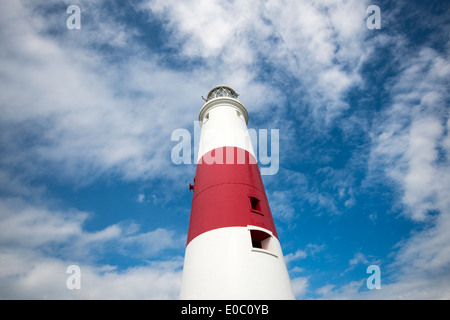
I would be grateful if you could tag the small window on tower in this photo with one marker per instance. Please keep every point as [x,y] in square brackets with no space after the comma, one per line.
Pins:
[262,241]
[256,205]
[206,118]
[258,237]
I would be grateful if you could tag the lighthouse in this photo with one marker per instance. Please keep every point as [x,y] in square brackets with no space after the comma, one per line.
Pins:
[233,250]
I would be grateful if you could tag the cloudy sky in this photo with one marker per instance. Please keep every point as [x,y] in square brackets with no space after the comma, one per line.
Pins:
[86,175]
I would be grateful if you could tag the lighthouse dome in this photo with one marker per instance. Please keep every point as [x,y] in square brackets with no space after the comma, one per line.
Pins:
[221,91]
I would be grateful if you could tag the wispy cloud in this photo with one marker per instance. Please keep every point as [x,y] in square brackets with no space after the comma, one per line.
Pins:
[30,276]
[310,250]
[103,102]
[410,148]
[38,244]
[79,113]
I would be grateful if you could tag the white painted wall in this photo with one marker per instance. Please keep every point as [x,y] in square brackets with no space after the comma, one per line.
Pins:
[224,128]
[222,264]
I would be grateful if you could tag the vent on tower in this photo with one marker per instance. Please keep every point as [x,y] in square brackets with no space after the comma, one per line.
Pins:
[255,204]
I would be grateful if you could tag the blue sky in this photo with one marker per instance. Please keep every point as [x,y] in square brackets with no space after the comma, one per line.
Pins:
[86,175]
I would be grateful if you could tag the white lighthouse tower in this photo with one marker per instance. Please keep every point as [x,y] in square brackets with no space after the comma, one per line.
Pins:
[232,251]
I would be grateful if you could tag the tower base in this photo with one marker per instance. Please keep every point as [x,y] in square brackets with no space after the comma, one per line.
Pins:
[242,263]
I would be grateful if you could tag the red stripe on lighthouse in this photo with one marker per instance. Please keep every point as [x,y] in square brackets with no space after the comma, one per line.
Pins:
[228,193]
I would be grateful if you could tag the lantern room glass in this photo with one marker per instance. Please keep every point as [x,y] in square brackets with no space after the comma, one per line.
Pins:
[222,92]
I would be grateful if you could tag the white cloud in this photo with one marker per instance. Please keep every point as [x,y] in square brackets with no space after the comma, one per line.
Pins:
[310,250]
[410,146]
[325,290]
[410,141]
[78,117]
[281,206]
[38,277]
[299,254]
[421,176]
[78,109]
[299,286]
[358,258]
[346,292]
[322,46]
[149,244]
[37,244]
[140,198]
[90,118]
[33,227]
[319,43]
[427,252]
[68,113]
[25,225]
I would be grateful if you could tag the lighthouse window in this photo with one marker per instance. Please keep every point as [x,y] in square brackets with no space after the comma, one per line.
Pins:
[222,91]
[206,118]
[260,239]
[256,244]
[256,205]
